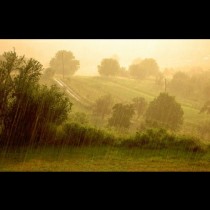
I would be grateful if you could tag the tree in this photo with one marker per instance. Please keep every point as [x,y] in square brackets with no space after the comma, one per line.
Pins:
[145,68]
[109,67]
[206,108]
[121,116]
[139,105]
[165,111]
[103,106]
[27,108]
[150,66]
[64,63]
[137,71]
[180,84]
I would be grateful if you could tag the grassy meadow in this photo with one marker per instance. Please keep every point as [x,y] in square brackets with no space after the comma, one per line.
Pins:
[125,89]
[104,159]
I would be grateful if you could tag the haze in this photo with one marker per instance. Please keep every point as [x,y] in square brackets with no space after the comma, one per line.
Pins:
[168,53]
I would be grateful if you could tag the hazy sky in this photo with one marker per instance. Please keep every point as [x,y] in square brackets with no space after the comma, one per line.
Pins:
[168,53]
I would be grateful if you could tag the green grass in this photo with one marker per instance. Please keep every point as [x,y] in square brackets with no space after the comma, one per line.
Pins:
[105,159]
[124,90]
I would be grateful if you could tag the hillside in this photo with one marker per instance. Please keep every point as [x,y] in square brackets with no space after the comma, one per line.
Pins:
[124,90]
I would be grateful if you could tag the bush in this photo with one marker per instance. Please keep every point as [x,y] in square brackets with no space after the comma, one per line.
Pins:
[79,135]
[160,138]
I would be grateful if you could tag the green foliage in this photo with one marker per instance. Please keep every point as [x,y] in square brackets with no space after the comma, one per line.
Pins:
[103,106]
[164,111]
[79,117]
[161,139]
[80,135]
[27,107]
[121,115]
[109,67]
[139,104]
[65,63]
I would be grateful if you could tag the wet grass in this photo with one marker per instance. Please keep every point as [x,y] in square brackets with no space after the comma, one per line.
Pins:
[104,158]
[124,90]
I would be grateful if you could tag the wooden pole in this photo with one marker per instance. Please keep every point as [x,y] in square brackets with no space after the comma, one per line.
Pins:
[63,65]
[165,85]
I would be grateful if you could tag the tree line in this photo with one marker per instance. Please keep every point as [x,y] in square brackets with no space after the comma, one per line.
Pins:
[64,63]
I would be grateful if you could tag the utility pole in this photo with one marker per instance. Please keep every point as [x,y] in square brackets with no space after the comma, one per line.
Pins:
[63,65]
[165,85]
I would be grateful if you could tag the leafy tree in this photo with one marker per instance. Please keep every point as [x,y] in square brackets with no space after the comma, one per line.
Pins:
[121,116]
[150,66]
[145,68]
[165,111]
[139,105]
[27,108]
[180,84]
[64,63]
[103,106]
[206,108]
[109,67]
[137,71]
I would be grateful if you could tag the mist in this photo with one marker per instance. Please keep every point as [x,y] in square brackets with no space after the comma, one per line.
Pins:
[167,53]
[104,105]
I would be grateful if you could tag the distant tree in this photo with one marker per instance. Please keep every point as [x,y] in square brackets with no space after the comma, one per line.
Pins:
[150,66]
[145,68]
[103,106]
[109,67]
[139,105]
[137,71]
[65,63]
[165,111]
[180,84]
[206,108]
[121,116]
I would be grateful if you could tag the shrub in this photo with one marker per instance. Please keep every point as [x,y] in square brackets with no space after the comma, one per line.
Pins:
[79,135]
[160,138]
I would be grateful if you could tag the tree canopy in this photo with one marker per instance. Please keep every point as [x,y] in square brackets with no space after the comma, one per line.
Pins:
[139,104]
[121,116]
[144,68]
[165,111]
[103,106]
[26,107]
[109,67]
[64,63]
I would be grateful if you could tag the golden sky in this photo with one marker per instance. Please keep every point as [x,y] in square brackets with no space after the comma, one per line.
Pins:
[168,53]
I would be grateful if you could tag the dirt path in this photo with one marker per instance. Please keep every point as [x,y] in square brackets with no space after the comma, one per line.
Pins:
[68,90]
[83,101]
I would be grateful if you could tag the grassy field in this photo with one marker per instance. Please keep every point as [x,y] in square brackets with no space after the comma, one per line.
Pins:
[104,159]
[124,90]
